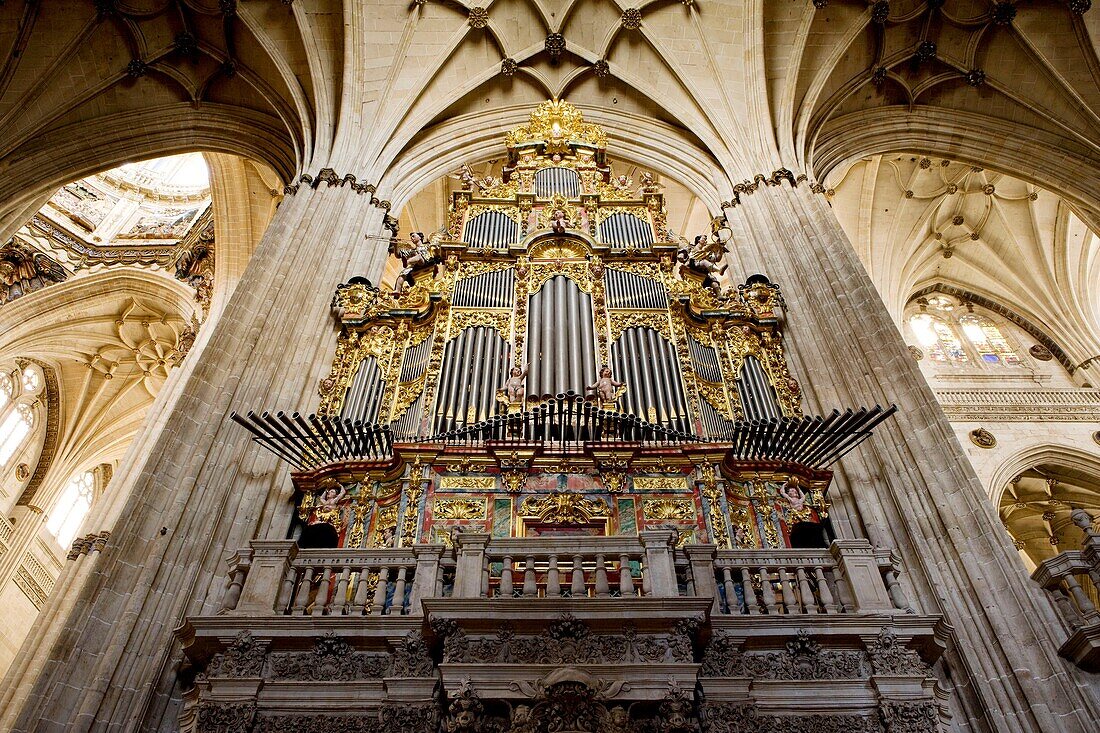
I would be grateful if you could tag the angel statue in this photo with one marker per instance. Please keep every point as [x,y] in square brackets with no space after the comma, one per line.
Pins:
[465,176]
[516,385]
[559,221]
[417,257]
[514,391]
[605,388]
[703,257]
[649,183]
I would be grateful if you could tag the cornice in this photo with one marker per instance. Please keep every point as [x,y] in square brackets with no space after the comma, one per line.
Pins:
[334,180]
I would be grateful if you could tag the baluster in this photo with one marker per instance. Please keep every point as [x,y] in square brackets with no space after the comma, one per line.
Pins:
[553,581]
[340,601]
[749,592]
[767,591]
[626,580]
[1065,605]
[647,584]
[233,592]
[320,603]
[302,599]
[729,589]
[576,587]
[787,590]
[486,572]
[806,594]
[1084,605]
[603,590]
[380,589]
[506,578]
[842,591]
[893,587]
[827,603]
[286,590]
[530,587]
[399,591]
[359,605]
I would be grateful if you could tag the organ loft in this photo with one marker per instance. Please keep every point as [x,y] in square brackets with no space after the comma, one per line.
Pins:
[561,479]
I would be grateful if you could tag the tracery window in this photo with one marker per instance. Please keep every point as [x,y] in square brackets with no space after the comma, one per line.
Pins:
[964,338]
[987,339]
[71,508]
[18,396]
[938,339]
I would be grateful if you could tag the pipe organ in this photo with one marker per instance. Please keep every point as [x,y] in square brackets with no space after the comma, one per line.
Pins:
[555,361]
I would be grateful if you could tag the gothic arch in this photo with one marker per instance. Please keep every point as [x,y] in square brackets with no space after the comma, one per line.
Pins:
[442,148]
[1026,458]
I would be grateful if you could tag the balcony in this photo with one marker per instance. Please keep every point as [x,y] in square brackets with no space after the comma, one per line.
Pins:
[1072,579]
[495,624]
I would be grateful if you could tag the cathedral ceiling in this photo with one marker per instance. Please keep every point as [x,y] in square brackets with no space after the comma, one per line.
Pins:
[110,339]
[918,222]
[755,86]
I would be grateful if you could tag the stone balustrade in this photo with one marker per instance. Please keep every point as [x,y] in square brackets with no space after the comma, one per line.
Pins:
[279,578]
[411,638]
[1072,578]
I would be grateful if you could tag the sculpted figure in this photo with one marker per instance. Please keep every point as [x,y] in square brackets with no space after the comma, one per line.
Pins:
[522,720]
[649,184]
[332,497]
[793,495]
[559,222]
[418,256]
[465,176]
[606,388]
[516,385]
[703,257]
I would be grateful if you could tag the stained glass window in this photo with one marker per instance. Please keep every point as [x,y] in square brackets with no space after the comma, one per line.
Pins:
[71,508]
[987,339]
[13,429]
[938,339]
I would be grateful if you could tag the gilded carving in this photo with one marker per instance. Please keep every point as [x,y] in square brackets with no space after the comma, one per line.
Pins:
[668,509]
[460,508]
[564,508]
[621,320]
[660,483]
[498,319]
[557,122]
[474,483]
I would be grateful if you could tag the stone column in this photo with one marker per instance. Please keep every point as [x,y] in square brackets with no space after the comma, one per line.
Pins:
[910,486]
[201,488]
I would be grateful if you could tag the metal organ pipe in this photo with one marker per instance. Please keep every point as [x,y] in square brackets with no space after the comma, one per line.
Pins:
[546,325]
[575,378]
[660,378]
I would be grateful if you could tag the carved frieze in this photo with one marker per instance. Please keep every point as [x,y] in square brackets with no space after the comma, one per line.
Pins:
[803,659]
[331,659]
[892,657]
[739,718]
[568,641]
[244,658]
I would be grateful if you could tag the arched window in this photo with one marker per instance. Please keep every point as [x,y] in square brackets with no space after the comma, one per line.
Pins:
[71,507]
[986,338]
[18,395]
[938,339]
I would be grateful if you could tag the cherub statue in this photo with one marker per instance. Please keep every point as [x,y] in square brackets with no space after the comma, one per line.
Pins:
[465,176]
[515,387]
[649,184]
[703,257]
[331,497]
[605,388]
[793,495]
[617,721]
[622,183]
[415,258]
[523,721]
[559,221]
